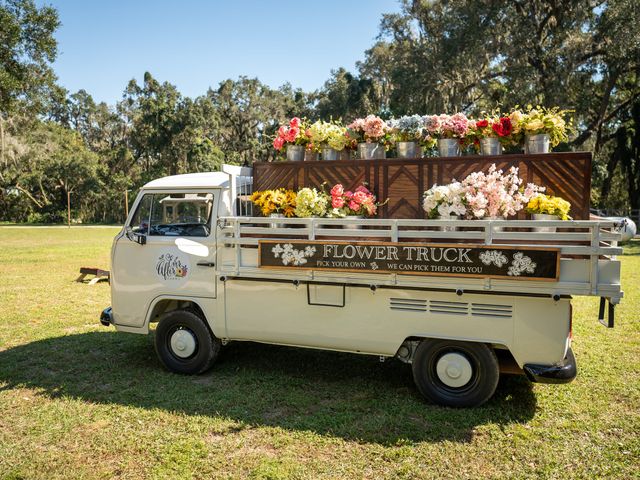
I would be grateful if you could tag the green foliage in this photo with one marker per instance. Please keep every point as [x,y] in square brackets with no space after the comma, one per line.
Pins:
[27,47]
[431,57]
[82,401]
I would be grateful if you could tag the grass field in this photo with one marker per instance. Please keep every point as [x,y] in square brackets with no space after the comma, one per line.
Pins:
[78,400]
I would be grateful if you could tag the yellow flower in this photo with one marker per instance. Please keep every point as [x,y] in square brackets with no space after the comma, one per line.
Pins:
[533,125]
[549,205]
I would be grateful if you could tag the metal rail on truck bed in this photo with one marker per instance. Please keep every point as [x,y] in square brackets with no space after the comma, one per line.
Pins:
[587,249]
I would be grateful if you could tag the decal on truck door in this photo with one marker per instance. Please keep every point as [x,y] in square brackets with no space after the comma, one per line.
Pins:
[172,267]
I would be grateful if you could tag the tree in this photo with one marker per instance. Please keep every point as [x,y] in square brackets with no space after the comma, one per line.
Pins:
[249,114]
[347,96]
[27,48]
[475,55]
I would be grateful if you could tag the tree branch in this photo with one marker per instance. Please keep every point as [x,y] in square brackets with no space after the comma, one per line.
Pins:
[28,194]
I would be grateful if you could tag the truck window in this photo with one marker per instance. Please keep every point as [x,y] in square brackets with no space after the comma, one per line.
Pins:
[140,220]
[176,214]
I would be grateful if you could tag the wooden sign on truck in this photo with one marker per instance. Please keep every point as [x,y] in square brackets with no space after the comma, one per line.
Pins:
[480,261]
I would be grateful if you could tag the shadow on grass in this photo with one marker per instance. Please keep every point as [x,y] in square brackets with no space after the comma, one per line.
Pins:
[350,396]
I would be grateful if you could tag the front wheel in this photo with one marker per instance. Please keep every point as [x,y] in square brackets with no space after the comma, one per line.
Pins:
[455,374]
[185,344]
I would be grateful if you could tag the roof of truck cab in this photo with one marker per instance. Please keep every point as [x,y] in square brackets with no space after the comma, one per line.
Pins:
[191,180]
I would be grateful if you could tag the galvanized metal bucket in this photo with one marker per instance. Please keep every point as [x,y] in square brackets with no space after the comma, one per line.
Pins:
[537,143]
[344,154]
[544,216]
[276,224]
[490,146]
[408,150]
[371,150]
[329,153]
[311,156]
[449,147]
[295,153]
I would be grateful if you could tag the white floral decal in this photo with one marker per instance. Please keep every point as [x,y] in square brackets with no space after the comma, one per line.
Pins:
[292,256]
[493,256]
[521,263]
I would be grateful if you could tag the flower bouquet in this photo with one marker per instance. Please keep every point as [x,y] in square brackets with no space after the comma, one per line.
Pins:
[545,207]
[311,203]
[445,201]
[360,203]
[542,204]
[544,127]
[496,194]
[449,130]
[330,137]
[295,137]
[406,132]
[372,133]
[492,133]
[275,203]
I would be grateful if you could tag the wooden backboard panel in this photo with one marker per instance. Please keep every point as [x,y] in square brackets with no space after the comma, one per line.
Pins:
[403,181]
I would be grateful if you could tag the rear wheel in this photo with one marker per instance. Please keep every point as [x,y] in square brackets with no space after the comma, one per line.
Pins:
[185,344]
[455,374]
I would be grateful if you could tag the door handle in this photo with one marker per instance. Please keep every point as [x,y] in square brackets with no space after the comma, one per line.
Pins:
[206,264]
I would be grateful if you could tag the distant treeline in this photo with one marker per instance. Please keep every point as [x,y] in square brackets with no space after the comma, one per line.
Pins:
[456,55]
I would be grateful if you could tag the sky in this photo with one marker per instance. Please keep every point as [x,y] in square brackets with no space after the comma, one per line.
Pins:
[195,44]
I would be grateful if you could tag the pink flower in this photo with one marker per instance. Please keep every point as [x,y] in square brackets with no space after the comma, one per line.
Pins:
[337,190]
[360,197]
[292,134]
[295,122]
[278,143]
[364,189]
[354,206]
[282,131]
[348,194]
[337,202]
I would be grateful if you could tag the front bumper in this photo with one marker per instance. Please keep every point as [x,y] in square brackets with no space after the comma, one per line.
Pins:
[106,317]
[563,372]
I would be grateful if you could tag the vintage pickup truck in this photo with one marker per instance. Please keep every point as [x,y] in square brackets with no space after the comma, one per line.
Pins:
[461,301]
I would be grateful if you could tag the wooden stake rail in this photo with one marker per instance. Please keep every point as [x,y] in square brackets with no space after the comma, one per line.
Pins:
[403,181]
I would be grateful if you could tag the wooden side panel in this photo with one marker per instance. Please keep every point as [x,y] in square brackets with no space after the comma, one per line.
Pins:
[403,181]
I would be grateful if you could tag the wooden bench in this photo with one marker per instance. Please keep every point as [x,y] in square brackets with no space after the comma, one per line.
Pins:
[99,275]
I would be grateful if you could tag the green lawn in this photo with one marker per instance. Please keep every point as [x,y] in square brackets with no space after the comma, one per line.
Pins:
[78,400]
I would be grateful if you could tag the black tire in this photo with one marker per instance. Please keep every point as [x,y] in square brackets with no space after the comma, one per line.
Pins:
[485,373]
[207,346]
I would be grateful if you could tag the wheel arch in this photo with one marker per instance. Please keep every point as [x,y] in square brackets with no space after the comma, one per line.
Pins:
[407,349]
[168,303]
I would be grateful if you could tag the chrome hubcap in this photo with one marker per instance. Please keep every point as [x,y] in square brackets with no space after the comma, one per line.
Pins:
[454,370]
[183,343]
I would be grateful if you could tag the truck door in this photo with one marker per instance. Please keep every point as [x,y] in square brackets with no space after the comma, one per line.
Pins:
[168,248]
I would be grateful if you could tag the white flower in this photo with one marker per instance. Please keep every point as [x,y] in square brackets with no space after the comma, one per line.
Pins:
[521,263]
[493,256]
[277,250]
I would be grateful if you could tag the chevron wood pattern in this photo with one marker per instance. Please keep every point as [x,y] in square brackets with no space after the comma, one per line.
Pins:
[403,181]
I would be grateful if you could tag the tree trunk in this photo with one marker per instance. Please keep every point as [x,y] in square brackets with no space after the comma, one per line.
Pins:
[68,208]
[3,161]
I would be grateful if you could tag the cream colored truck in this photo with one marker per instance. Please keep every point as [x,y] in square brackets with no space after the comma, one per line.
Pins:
[461,301]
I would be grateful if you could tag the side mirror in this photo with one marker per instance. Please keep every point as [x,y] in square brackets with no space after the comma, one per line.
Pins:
[139,238]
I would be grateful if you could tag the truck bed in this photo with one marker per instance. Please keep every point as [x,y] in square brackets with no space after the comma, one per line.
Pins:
[588,249]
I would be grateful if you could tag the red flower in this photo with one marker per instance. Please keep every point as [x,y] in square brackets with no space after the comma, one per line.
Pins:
[503,128]
[482,123]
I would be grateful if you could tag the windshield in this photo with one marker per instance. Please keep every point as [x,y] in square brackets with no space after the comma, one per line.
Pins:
[175,214]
